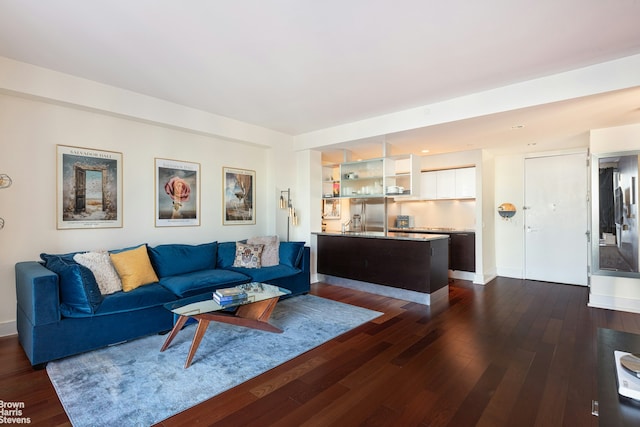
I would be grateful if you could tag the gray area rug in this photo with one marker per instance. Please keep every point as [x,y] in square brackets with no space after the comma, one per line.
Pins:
[133,384]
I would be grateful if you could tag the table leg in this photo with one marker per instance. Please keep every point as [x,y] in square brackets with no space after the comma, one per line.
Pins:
[176,328]
[197,338]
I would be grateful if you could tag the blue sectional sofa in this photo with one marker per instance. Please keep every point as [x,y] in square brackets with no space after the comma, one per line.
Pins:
[61,312]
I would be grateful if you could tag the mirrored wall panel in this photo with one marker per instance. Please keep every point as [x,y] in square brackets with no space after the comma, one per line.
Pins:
[615,248]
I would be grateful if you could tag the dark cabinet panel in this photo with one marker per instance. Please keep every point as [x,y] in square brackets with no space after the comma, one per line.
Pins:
[462,251]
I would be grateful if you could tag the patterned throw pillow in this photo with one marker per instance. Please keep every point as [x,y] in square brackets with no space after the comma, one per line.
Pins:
[100,265]
[248,256]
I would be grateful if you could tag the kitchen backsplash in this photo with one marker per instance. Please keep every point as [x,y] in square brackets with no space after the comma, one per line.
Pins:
[458,214]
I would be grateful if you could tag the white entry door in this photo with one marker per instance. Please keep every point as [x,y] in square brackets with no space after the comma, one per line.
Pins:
[556,219]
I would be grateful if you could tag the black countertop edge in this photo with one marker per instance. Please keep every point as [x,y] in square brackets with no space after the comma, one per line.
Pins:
[392,235]
[431,230]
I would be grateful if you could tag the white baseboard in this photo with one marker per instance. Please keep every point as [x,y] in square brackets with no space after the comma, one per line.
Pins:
[477,278]
[614,303]
[483,279]
[8,328]
[513,273]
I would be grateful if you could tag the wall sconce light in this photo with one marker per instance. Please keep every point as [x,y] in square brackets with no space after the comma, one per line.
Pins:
[506,210]
[5,181]
[285,203]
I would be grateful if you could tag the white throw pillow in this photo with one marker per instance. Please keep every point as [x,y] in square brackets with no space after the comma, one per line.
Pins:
[271,250]
[100,265]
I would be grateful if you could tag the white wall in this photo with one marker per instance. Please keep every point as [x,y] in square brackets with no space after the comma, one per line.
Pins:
[487,230]
[30,130]
[612,292]
[509,233]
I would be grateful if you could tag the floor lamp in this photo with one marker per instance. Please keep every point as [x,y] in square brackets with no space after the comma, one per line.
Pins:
[285,203]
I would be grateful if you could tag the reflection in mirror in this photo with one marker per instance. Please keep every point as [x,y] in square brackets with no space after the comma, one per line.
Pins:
[617,249]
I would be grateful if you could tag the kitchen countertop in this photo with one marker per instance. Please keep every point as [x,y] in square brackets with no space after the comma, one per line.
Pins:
[392,235]
[443,230]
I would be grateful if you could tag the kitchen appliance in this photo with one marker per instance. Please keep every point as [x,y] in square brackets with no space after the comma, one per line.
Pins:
[356,223]
[404,221]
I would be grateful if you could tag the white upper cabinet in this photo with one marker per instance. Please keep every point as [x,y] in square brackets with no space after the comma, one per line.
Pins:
[448,184]
[466,183]
[429,185]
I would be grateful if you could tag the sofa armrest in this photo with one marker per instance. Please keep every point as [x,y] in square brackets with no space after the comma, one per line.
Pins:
[305,261]
[37,293]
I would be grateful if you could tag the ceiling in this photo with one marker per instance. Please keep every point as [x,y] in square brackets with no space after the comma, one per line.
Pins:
[297,66]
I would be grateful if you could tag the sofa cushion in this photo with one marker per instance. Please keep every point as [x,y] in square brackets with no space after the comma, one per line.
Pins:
[128,248]
[226,254]
[137,299]
[203,280]
[175,259]
[134,268]
[79,292]
[102,268]
[270,253]
[266,274]
[291,253]
[248,256]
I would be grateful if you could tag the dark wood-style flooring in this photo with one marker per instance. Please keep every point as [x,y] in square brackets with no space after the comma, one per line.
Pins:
[511,353]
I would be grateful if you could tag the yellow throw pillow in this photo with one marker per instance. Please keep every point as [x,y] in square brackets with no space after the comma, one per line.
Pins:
[134,268]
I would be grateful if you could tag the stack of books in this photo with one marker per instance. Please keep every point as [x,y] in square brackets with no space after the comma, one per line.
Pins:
[228,296]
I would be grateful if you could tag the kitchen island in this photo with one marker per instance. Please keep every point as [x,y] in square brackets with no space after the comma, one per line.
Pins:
[410,266]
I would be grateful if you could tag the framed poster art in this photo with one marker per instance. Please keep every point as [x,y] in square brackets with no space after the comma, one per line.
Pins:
[238,196]
[177,187]
[88,188]
[331,208]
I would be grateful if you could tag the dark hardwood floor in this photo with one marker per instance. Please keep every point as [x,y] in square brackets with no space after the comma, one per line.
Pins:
[511,353]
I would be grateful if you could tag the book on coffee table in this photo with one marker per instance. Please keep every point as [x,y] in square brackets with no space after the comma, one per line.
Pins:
[230,300]
[229,296]
[228,292]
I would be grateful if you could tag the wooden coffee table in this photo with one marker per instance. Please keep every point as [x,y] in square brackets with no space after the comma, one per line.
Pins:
[254,313]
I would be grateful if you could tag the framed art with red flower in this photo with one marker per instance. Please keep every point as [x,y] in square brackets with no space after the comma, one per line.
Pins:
[238,196]
[177,193]
[89,188]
